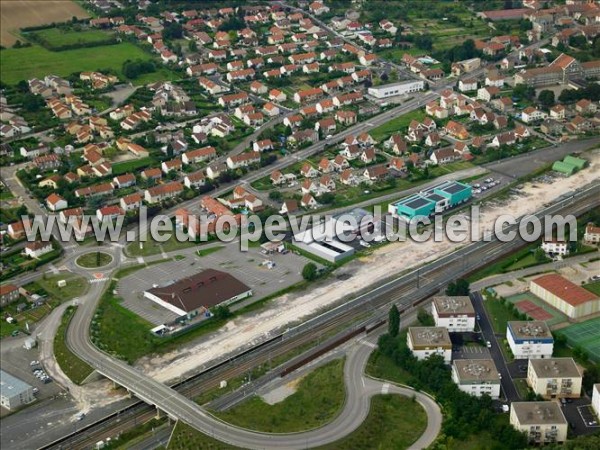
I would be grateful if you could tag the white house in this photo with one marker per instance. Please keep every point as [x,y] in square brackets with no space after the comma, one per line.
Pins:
[555,248]
[532,114]
[37,249]
[476,377]
[530,340]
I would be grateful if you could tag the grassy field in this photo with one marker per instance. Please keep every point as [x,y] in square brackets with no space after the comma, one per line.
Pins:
[76,286]
[593,287]
[71,365]
[396,125]
[208,251]
[36,61]
[56,37]
[93,260]
[20,14]
[132,165]
[121,332]
[382,366]
[499,314]
[318,399]
[185,437]
[393,422]
[151,247]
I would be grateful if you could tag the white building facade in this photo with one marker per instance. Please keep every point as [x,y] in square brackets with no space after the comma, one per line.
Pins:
[530,340]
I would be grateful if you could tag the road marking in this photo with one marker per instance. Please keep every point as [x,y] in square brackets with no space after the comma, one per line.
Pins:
[368,344]
[98,280]
[385,388]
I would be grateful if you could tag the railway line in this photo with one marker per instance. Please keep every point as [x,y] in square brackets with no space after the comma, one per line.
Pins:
[406,290]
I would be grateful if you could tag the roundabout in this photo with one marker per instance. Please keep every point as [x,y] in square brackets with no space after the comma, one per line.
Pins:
[94,260]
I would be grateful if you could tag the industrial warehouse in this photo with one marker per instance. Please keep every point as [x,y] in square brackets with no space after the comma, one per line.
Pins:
[195,295]
[432,201]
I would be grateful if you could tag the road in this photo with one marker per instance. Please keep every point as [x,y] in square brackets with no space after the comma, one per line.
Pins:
[178,406]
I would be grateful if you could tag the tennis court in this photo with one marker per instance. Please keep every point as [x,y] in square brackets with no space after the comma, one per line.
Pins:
[532,310]
[585,335]
[537,309]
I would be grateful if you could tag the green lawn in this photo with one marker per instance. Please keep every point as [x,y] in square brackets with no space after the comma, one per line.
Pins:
[499,314]
[121,332]
[55,37]
[93,260]
[151,247]
[522,387]
[208,251]
[185,437]
[383,367]
[394,422]
[318,399]
[36,61]
[76,286]
[73,367]
[396,125]
[593,287]
[132,165]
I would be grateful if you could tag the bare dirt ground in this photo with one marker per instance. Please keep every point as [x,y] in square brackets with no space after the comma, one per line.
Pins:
[391,259]
[16,14]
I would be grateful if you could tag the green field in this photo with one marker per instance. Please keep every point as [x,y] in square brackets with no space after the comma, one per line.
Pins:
[76,286]
[151,247]
[56,37]
[396,125]
[35,61]
[93,260]
[131,165]
[586,336]
[71,365]
[318,399]
[393,422]
[499,314]
[593,287]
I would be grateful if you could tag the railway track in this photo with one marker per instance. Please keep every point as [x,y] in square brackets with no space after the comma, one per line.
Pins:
[407,291]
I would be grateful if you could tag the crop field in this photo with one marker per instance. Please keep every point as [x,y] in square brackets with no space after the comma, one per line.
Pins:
[57,37]
[17,14]
[36,61]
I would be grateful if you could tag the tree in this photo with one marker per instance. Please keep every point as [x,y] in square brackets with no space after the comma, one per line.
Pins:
[540,255]
[275,196]
[172,31]
[309,272]
[394,321]
[193,46]
[458,287]
[221,312]
[546,98]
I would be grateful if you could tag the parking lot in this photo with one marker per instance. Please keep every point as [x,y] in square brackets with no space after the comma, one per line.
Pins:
[489,185]
[249,267]
[17,362]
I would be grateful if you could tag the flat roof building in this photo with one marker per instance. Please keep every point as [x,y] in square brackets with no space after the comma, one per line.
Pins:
[14,392]
[554,378]
[530,340]
[454,312]
[476,377]
[543,422]
[432,201]
[195,295]
[427,341]
[393,89]
[567,297]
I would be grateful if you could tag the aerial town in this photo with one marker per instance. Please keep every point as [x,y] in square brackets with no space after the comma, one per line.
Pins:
[293,224]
